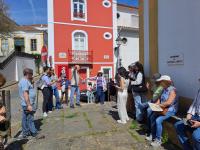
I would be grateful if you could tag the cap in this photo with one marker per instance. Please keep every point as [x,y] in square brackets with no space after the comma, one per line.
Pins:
[164,77]
[156,76]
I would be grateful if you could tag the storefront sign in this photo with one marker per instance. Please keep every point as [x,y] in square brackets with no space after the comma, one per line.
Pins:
[176,59]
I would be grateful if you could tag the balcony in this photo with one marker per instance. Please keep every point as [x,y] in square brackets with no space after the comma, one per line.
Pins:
[80,57]
[79,15]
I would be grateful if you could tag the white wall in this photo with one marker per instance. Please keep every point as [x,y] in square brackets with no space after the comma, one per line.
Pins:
[128,18]
[9,71]
[179,33]
[130,51]
[22,63]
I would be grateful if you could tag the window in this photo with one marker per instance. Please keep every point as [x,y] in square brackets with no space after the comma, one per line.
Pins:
[79,10]
[79,41]
[107,35]
[4,46]
[33,44]
[106,3]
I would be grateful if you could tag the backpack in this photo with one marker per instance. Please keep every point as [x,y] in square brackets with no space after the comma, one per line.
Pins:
[40,83]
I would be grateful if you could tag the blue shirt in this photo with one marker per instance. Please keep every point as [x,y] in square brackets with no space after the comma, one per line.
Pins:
[165,95]
[47,80]
[25,85]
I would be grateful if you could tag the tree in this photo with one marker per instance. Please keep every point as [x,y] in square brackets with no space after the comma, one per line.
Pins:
[6,24]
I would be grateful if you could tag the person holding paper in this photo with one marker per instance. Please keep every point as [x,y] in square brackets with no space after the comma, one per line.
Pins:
[168,101]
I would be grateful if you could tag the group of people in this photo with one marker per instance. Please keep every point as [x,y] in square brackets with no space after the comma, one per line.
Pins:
[164,95]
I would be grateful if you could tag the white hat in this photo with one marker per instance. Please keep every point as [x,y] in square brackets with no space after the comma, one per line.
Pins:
[164,77]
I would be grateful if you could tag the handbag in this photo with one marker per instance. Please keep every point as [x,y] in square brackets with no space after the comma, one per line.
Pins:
[139,88]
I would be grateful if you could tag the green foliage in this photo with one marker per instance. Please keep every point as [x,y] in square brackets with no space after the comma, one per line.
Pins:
[165,137]
[134,125]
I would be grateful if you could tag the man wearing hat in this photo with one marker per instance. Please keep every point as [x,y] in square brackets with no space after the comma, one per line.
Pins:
[101,86]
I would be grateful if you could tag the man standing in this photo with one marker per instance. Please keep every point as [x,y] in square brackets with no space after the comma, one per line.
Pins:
[27,95]
[75,81]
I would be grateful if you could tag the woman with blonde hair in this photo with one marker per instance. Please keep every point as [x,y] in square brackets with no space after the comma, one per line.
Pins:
[168,102]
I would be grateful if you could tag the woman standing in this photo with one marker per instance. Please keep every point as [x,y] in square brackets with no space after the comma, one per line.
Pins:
[122,95]
[101,86]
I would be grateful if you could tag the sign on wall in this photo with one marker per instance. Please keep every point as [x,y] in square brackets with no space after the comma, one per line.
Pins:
[176,59]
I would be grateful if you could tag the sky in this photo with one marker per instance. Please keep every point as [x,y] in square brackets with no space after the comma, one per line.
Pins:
[25,12]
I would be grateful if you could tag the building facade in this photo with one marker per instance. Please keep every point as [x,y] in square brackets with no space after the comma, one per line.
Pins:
[27,39]
[81,32]
[170,41]
[128,28]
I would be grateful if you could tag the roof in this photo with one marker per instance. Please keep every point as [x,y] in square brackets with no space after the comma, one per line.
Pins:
[124,6]
[32,28]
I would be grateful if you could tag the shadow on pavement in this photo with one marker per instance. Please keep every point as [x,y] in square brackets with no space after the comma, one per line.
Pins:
[17,145]
[114,114]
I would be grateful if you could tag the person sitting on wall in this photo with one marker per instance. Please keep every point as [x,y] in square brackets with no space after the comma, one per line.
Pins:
[191,124]
[169,103]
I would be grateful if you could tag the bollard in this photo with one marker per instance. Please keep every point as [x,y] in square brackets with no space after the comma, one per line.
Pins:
[6,102]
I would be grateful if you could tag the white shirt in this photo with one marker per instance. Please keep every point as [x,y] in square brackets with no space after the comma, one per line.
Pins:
[138,79]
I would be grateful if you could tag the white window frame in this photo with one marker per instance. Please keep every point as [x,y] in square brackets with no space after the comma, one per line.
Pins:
[72,12]
[106,1]
[110,72]
[4,44]
[86,39]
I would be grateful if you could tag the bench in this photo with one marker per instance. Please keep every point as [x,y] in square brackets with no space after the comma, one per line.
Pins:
[168,125]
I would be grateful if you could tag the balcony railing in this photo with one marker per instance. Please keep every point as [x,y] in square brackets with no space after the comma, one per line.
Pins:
[80,57]
[79,15]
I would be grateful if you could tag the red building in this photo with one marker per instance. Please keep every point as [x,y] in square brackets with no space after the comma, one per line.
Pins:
[81,32]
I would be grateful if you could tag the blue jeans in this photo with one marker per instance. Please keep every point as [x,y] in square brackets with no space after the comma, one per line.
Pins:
[100,94]
[73,90]
[156,124]
[56,94]
[90,96]
[28,126]
[180,130]
[138,110]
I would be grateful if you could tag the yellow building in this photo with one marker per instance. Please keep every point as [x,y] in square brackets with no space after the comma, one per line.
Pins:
[28,39]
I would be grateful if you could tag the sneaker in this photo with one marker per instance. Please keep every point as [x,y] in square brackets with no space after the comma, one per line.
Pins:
[38,136]
[49,112]
[72,106]
[45,114]
[77,104]
[21,137]
[122,122]
[127,119]
[156,143]
[149,138]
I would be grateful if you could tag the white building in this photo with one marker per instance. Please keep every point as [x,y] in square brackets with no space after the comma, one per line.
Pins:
[128,27]
[171,42]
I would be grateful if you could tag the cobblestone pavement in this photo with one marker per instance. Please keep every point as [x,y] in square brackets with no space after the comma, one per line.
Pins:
[91,127]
